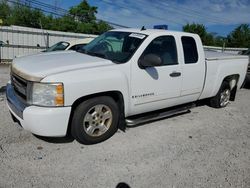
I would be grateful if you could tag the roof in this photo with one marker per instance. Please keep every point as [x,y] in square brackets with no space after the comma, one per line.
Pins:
[152,31]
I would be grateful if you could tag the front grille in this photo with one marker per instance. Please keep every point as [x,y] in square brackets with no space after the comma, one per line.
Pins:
[20,86]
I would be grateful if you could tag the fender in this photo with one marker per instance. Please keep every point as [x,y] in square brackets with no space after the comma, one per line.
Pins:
[84,82]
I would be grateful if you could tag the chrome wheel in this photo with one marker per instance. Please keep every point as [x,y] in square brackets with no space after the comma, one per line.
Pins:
[97,120]
[224,97]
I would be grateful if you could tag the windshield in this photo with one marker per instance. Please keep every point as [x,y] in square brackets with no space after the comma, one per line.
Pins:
[58,47]
[115,46]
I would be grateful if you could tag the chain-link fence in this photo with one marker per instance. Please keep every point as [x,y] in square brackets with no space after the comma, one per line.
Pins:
[18,41]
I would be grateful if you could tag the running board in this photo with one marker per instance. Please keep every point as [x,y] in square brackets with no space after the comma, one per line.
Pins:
[152,116]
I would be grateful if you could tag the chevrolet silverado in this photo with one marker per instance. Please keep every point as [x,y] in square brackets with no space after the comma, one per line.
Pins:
[122,77]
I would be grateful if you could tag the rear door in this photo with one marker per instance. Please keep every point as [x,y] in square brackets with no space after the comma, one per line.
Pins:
[193,71]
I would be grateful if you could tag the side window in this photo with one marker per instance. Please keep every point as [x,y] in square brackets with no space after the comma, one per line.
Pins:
[76,47]
[165,47]
[190,50]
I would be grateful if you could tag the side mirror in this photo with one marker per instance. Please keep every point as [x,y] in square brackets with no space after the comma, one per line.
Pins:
[150,60]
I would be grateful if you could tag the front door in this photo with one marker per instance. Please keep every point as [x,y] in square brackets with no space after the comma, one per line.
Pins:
[157,87]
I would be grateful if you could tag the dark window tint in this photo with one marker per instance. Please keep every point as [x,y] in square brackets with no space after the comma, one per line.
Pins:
[77,47]
[190,50]
[165,47]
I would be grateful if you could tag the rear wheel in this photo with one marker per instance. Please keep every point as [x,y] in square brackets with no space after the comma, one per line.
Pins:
[223,96]
[95,120]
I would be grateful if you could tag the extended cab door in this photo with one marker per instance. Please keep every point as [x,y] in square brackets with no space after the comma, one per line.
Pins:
[193,71]
[156,87]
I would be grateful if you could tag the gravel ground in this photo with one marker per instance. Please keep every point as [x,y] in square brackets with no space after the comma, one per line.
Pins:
[205,148]
[4,75]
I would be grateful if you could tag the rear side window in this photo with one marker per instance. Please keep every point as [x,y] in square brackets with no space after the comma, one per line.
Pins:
[190,50]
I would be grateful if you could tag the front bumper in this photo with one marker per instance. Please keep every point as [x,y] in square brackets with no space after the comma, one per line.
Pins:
[43,121]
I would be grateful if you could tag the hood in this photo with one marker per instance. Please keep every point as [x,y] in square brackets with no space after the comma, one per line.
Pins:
[36,67]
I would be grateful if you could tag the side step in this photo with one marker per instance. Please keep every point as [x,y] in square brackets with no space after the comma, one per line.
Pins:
[134,121]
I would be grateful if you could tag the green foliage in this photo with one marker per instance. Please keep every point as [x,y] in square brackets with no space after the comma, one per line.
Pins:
[240,37]
[83,12]
[5,11]
[200,29]
[103,26]
[219,41]
[80,19]
[24,16]
[196,28]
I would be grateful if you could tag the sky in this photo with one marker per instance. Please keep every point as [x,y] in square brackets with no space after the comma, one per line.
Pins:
[219,16]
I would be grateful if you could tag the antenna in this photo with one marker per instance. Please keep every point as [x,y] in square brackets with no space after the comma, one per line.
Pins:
[143,28]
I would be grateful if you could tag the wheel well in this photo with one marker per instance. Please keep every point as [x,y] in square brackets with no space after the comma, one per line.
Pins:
[116,95]
[233,81]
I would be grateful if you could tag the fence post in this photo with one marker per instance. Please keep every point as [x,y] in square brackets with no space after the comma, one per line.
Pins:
[47,42]
[1,44]
[223,47]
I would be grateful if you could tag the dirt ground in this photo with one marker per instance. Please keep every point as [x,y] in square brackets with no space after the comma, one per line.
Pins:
[204,148]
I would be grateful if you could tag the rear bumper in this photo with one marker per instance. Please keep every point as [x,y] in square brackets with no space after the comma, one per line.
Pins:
[41,121]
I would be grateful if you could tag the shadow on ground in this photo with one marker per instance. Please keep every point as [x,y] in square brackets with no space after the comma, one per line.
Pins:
[247,85]
[122,185]
[56,140]
[2,89]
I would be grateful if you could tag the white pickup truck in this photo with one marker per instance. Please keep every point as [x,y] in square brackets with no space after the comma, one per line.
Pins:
[116,80]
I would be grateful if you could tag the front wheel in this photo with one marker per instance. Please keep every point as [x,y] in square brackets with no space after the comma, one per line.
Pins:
[223,96]
[95,120]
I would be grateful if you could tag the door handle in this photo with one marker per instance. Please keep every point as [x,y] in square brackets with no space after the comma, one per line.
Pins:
[175,74]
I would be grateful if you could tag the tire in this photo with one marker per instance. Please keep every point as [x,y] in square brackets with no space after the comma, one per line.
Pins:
[95,120]
[221,99]
[248,78]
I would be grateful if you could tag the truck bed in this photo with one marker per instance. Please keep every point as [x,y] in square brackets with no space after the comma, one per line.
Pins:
[220,65]
[213,55]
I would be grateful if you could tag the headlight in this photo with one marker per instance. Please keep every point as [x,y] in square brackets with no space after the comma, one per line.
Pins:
[47,94]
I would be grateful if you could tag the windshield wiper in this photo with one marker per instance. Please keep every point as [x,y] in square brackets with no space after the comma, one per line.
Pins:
[81,50]
[97,54]
[93,54]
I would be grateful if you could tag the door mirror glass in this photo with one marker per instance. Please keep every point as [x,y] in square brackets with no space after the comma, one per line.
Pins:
[150,60]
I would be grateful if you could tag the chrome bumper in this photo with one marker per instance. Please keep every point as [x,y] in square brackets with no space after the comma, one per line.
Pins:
[16,105]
